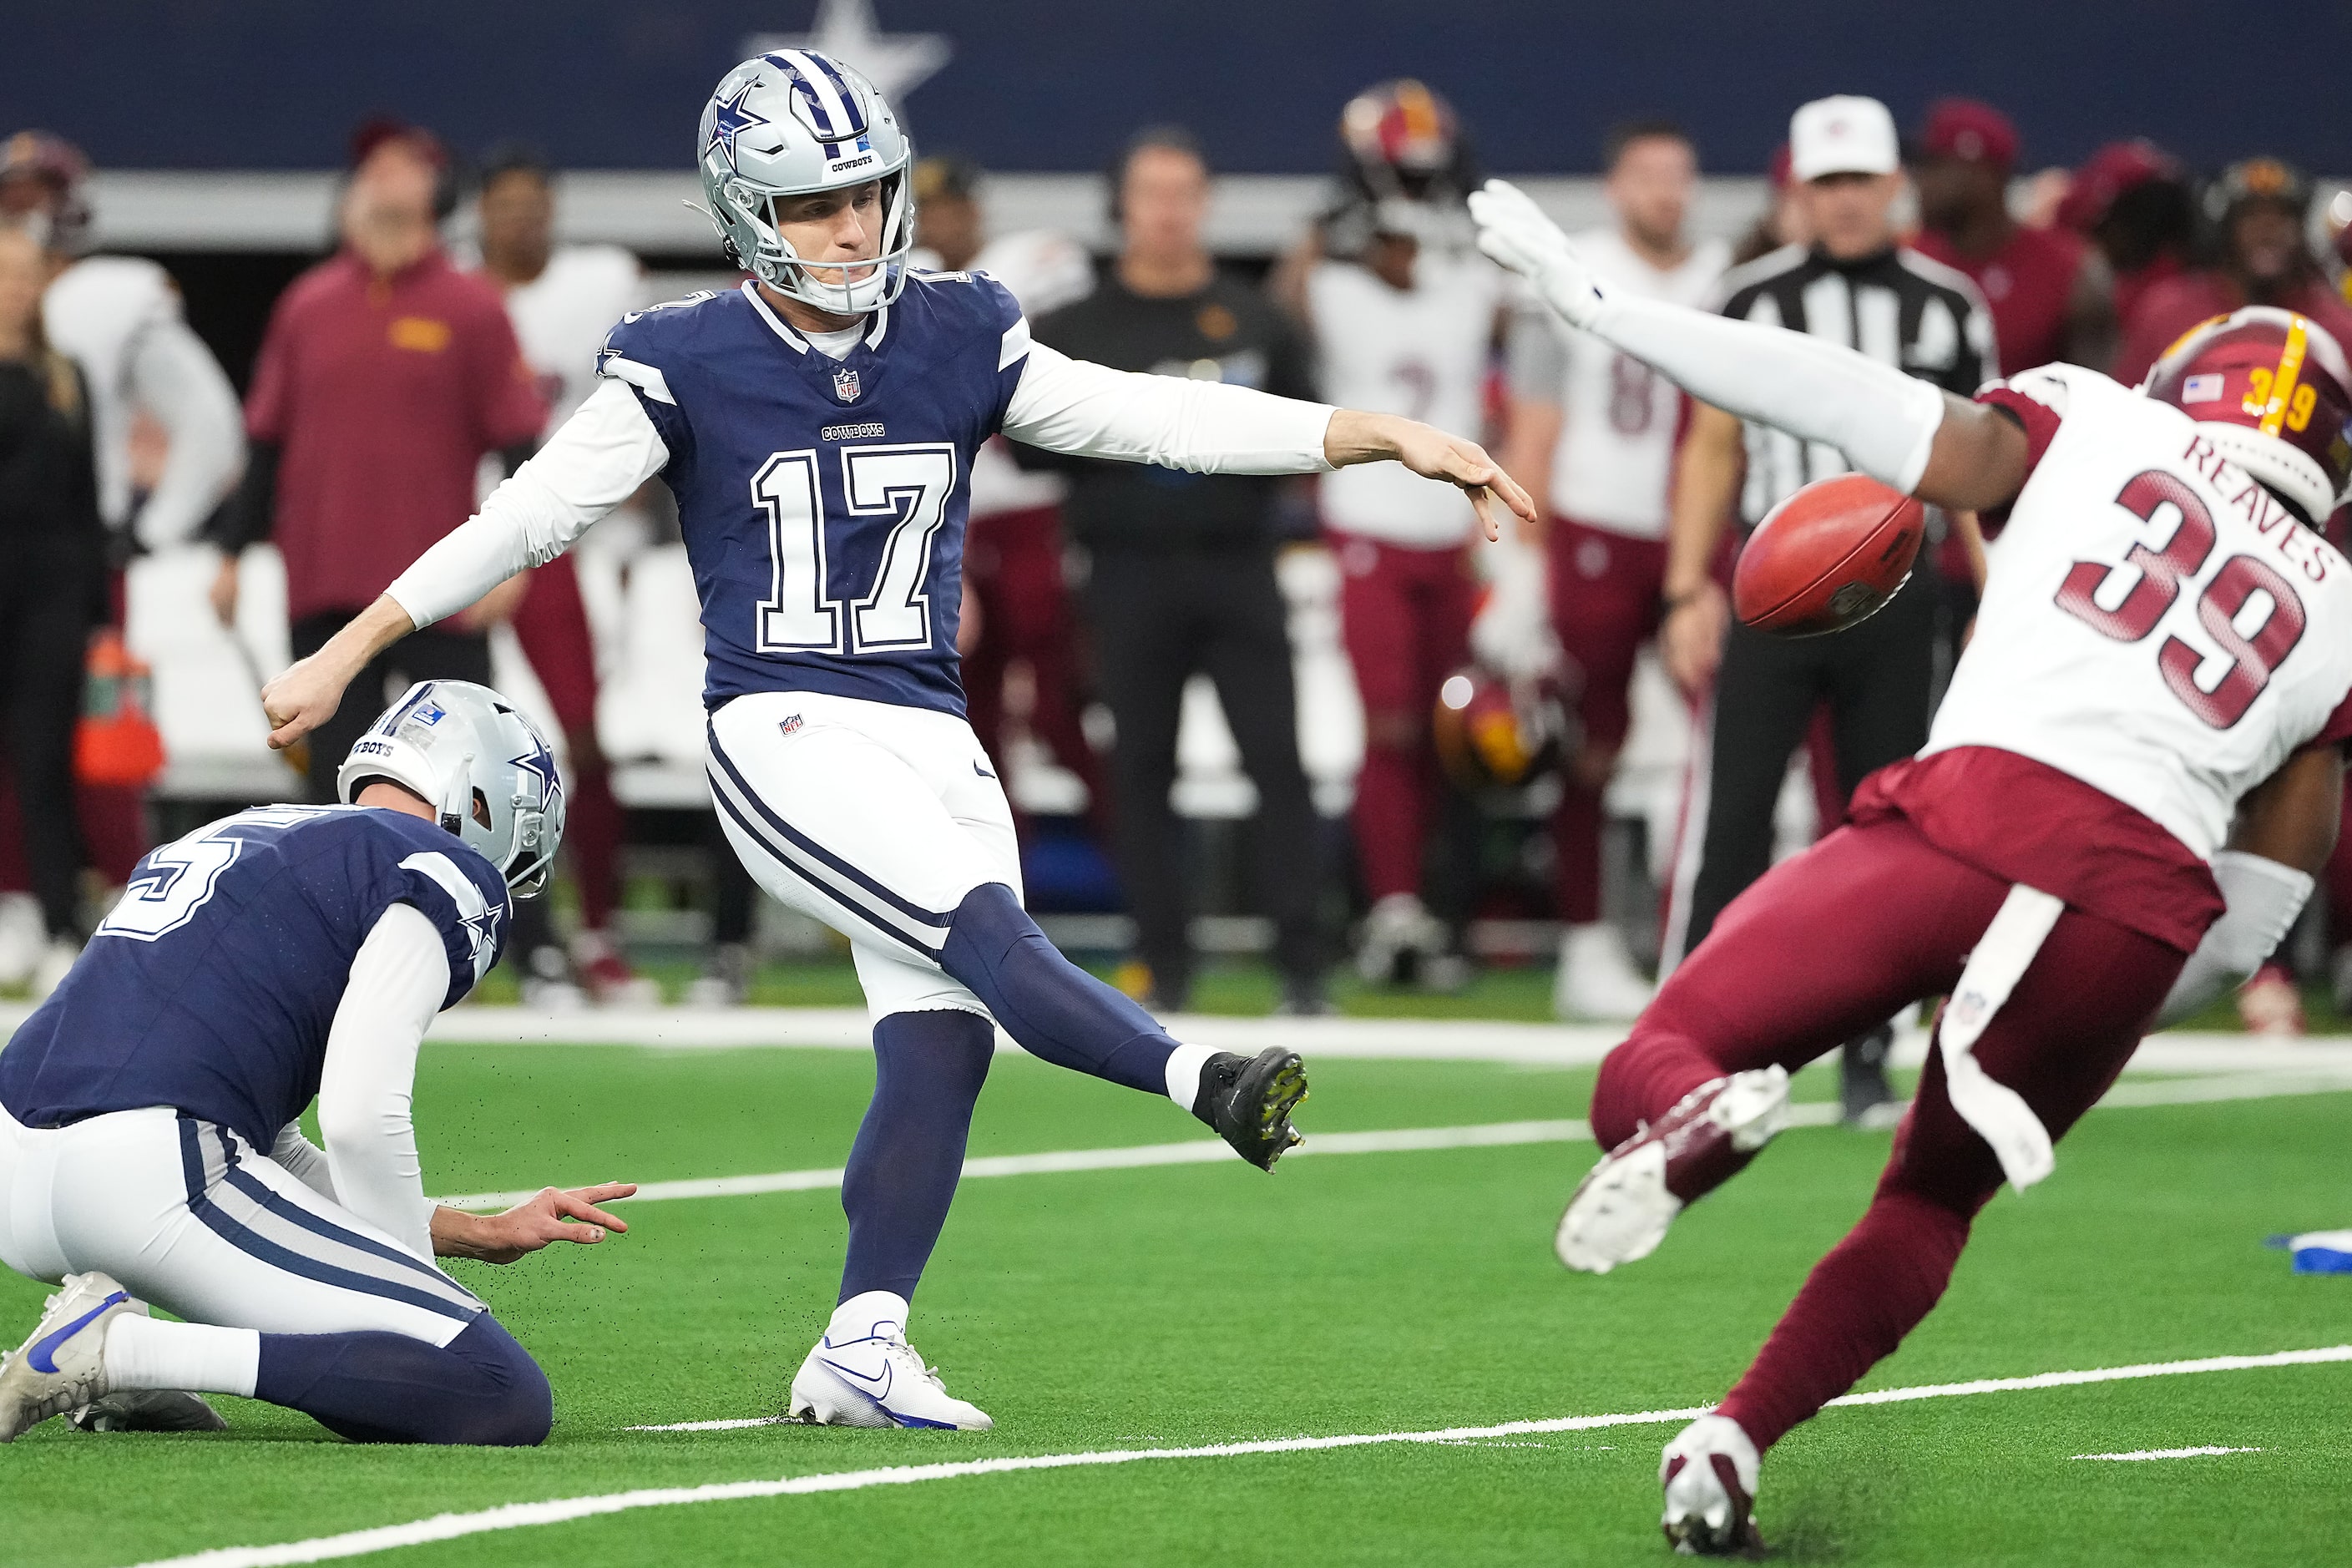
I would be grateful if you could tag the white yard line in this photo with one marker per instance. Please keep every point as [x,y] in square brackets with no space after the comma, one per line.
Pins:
[560,1510]
[2167,1454]
[1493,1134]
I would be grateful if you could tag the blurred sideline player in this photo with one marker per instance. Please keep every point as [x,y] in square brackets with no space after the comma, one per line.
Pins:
[2161,650]
[1595,431]
[118,318]
[2258,210]
[817,427]
[1014,591]
[1403,314]
[2131,200]
[562,300]
[2051,295]
[150,1146]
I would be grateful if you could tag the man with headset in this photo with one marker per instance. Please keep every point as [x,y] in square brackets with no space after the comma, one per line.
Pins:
[1181,575]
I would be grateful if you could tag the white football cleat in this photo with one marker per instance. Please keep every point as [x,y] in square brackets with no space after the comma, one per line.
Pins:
[863,1373]
[1400,939]
[1596,978]
[62,1364]
[1709,1472]
[1623,1205]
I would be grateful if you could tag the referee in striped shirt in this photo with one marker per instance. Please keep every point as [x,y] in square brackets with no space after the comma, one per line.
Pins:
[1855,287]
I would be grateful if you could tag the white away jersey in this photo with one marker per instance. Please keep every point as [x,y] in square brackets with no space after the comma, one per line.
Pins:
[2156,624]
[560,318]
[1614,464]
[1423,353]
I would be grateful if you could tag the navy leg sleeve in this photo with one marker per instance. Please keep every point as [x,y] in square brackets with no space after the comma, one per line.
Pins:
[927,1070]
[1054,1008]
[481,1388]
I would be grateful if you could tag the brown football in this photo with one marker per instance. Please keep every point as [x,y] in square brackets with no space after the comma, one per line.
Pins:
[1827,557]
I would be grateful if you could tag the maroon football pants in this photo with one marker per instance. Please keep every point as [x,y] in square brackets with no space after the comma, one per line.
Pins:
[1604,606]
[551,625]
[1404,616]
[1827,945]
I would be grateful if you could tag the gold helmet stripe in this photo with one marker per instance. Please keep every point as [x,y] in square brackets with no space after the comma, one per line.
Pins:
[2290,369]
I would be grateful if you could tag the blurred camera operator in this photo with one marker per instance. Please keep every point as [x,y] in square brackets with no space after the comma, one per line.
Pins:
[2258,210]
[52,589]
[385,376]
[1182,571]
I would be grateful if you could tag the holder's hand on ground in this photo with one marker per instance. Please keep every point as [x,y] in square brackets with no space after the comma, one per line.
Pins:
[1513,232]
[1355,437]
[1690,640]
[549,1217]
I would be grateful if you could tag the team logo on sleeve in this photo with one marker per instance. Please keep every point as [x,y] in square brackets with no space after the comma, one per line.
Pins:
[844,385]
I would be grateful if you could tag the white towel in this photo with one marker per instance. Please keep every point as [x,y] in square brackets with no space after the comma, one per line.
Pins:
[1998,1112]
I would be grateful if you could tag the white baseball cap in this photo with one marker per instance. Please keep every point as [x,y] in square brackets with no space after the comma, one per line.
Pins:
[1842,135]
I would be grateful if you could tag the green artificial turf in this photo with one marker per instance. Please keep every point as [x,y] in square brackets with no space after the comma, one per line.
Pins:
[1196,1304]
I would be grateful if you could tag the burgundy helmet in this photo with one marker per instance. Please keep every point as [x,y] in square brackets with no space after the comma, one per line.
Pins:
[2273,393]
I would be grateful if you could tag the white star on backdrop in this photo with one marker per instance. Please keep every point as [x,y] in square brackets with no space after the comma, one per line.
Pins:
[896,63]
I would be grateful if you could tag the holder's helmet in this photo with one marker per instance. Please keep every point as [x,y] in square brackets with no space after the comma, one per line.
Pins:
[795,123]
[485,770]
[2273,392]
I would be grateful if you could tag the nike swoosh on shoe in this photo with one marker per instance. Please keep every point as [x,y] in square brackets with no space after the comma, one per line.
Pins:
[43,1356]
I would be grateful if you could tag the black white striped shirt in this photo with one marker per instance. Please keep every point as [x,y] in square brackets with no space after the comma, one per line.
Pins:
[1898,306]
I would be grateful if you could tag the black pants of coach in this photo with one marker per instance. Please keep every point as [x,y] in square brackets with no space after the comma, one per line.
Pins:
[1878,681]
[1157,620]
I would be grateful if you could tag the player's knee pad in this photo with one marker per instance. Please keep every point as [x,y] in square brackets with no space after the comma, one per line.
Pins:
[514,1407]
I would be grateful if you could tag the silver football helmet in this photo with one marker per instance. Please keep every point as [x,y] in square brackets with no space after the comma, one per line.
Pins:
[790,124]
[485,770]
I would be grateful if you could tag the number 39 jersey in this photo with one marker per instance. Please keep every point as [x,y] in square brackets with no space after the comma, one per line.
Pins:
[212,984]
[2155,624]
[823,500]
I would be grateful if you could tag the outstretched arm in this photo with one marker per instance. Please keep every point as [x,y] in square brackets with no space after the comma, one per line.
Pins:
[2285,833]
[1897,429]
[1089,410]
[592,464]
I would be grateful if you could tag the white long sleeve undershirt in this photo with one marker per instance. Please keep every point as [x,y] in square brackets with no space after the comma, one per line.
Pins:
[399,979]
[600,456]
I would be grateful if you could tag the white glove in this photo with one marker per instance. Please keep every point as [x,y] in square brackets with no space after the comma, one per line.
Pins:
[2264,899]
[1514,231]
[1512,632]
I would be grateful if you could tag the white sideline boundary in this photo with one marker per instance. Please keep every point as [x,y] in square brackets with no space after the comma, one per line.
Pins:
[1404,1139]
[561,1511]
[2167,1454]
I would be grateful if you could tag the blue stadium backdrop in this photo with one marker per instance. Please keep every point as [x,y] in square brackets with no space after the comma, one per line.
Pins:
[1054,85]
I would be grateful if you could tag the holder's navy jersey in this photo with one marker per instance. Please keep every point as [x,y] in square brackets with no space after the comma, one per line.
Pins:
[823,500]
[212,984]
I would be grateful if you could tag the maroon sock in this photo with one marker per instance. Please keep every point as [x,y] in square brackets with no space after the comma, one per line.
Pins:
[1642,1079]
[1855,1307]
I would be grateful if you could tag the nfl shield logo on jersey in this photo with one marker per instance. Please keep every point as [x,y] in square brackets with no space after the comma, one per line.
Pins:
[844,385]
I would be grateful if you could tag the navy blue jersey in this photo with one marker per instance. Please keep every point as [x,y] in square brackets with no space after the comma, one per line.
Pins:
[823,500]
[212,984]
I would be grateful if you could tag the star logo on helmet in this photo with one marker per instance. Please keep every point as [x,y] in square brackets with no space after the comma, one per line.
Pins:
[540,763]
[732,120]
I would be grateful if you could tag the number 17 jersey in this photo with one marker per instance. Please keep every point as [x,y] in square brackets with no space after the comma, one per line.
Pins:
[823,500]
[2156,623]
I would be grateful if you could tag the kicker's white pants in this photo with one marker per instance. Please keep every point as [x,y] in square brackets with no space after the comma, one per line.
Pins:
[874,818]
[192,1218]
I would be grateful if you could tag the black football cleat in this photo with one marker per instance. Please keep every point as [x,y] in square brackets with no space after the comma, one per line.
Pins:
[1248,1100]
